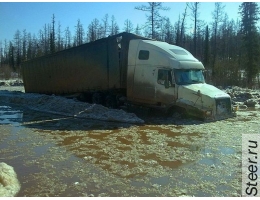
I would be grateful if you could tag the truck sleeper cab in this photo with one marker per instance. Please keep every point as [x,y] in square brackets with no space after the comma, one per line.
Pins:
[166,76]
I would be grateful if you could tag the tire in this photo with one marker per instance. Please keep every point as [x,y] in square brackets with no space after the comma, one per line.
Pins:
[97,98]
[176,111]
[111,101]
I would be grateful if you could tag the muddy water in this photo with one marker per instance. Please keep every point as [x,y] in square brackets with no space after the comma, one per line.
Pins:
[61,156]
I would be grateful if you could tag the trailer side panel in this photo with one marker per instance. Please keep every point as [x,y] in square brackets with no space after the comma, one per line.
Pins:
[99,65]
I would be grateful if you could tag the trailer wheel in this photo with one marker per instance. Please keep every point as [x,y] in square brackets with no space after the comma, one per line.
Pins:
[111,102]
[97,98]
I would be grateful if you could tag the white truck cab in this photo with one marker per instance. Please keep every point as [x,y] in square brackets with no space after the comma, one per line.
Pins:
[166,76]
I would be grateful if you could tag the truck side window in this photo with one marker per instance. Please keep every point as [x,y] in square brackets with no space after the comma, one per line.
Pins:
[143,55]
[164,75]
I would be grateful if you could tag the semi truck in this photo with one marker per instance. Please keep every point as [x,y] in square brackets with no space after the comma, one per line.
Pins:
[128,69]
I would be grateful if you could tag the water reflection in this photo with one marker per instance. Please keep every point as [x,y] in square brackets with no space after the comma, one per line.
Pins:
[10,116]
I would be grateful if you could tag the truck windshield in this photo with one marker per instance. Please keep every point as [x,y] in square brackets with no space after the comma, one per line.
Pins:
[188,76]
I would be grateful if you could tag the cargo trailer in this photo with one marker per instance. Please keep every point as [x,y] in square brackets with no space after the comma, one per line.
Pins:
[129,69]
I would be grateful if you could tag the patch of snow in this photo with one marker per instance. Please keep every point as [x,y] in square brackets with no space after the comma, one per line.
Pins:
[9,183]
[244,97]
[11,82]
[67,107]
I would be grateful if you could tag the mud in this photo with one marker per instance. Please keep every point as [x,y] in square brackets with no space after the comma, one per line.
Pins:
[64,156]
[56,155]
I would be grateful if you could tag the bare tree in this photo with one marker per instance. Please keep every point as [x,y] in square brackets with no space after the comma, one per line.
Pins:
[11,56]
[195,14]
[154,19]
[93,30]
[137,30]
[24,45]
[35,46]
[180,28]
[29,46]
[217,15]
[168,35]
[5,53]
[17,49]
[177,32]
[206,48]
[128,26]
[45,39]
[183,26]
[67,38]
[59,38]
[52,36]
[114,28]
[78,40]
[105,26]
[40,45]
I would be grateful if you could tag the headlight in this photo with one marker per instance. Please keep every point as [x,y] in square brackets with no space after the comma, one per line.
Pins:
[223,106]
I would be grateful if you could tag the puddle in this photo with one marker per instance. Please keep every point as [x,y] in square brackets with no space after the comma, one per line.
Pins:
[220,150]
[9,116]
[187,180]
[41,150]
[226,150]
[161,181]
[223,188]
[210,161]
[127,153]
[202,194]
[212,154]
[139,184]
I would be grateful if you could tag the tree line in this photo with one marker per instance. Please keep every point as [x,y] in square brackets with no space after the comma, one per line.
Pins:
[228,48]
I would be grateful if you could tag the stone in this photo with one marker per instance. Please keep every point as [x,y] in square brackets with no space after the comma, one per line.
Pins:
[242,107]
[250,103]
[248,95]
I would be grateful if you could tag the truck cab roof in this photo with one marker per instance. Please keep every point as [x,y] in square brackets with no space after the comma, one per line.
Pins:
[164,54]
[176,52]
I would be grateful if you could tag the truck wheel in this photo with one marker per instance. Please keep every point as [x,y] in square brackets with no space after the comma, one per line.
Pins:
[110,102]
[97,98]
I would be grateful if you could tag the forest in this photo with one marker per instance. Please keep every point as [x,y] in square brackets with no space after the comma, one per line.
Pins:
[229,49]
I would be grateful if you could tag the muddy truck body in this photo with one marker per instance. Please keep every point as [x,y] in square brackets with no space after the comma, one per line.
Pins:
[128,69]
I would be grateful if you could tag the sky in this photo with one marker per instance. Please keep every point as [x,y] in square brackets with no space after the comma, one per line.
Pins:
[32,16]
